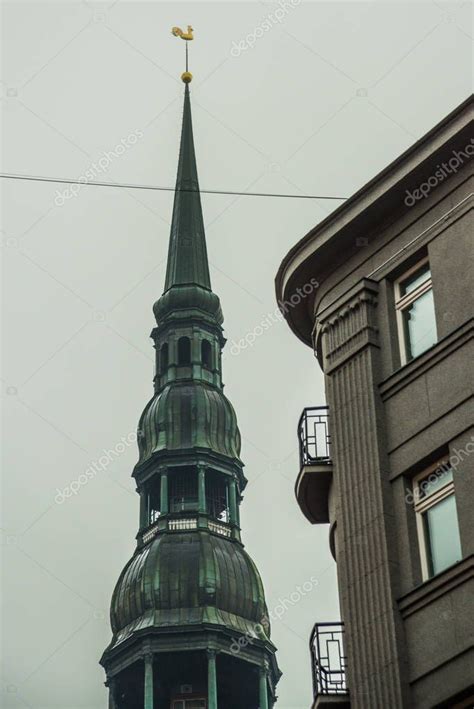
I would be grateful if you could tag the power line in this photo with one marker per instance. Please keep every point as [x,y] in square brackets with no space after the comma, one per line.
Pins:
[67,181]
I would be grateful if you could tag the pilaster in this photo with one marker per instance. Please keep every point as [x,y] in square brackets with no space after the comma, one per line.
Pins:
[233,502]
[263,688]
[143,508]
[148,681]
[202,504]
[211,679]
[164,501]
[202,489]
[347,334]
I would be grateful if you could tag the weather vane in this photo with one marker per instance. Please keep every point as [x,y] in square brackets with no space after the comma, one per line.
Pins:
[178,32]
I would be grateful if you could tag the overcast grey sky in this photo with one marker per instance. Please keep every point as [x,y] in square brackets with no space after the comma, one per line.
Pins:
[318,104]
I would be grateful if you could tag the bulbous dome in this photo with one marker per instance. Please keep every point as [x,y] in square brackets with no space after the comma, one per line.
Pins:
[185,579]
[188,297]
[186,415]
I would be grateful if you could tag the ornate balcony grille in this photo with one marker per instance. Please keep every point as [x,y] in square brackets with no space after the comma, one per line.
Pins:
[328,659]
[313,436]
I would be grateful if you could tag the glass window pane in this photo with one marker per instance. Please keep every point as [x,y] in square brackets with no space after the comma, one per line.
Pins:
[442,531]
[435,481]
[415,280]
[420,325]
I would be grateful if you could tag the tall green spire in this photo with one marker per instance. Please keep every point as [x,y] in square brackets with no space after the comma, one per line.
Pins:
[190,595]
[187,254]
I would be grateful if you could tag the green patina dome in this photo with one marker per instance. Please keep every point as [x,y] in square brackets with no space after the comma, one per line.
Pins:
[188,415]
[186,579]
[188,298]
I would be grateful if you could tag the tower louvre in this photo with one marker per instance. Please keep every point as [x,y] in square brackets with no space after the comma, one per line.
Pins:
[189,618]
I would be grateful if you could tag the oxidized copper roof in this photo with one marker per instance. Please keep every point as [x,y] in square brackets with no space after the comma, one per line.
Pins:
[187,415]
[187,255]
[188,579]
[186,583]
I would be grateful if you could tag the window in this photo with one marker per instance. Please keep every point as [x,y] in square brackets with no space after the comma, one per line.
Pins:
[163,358]
[415,311]
[206,354]
[436,518]
[184,351]
[189,704]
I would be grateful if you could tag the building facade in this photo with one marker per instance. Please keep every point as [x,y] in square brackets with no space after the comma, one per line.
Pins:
[388,463]
[190,593]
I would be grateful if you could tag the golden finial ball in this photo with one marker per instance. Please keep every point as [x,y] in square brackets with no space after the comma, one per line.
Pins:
[187,77]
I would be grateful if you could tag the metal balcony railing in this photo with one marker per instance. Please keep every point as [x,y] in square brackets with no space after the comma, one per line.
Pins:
[313,436]
[328,659]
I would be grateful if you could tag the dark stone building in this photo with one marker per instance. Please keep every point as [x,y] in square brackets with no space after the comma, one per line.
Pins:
[189,620]
[388,463]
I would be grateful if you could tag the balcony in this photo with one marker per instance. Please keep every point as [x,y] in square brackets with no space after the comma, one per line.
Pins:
[183,522]
[328,664]
[315,476]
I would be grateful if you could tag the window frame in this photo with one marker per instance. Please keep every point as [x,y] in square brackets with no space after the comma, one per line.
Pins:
[402,302]
[422,504]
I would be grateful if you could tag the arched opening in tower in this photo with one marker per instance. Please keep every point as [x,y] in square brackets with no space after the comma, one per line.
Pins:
[206,354]
[217,497]
[184,351]
[183,490]
[164,358]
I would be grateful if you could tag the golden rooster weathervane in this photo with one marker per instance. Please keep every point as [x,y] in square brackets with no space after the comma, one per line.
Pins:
[178,32]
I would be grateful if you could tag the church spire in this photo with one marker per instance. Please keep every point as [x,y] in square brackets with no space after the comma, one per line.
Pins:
[190,593]
[187,254]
